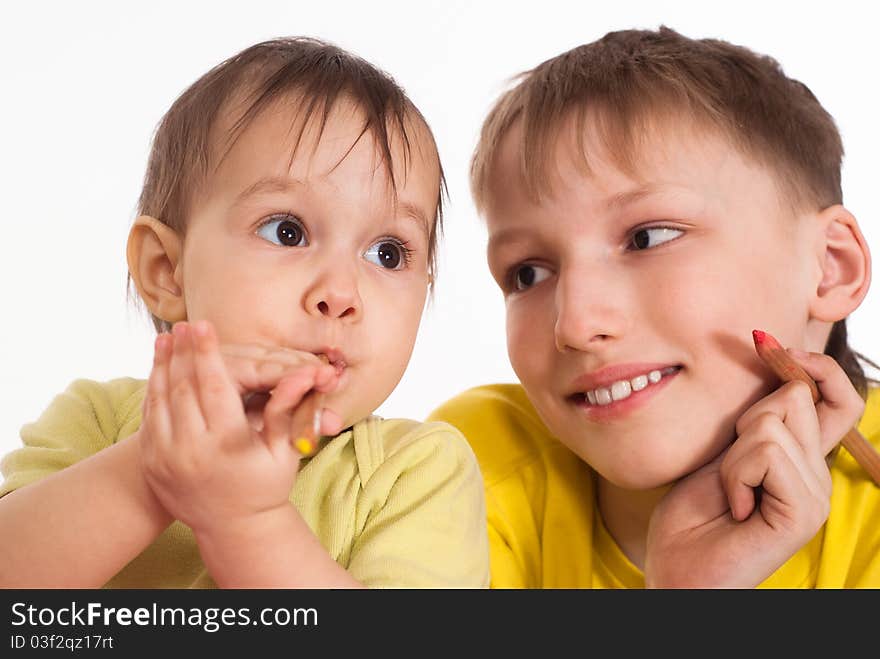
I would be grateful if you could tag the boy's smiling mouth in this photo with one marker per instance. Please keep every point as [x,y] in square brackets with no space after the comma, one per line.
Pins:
[616,390]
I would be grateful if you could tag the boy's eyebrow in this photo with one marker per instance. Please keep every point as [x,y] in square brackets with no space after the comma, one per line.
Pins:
[502,237]
[622,199]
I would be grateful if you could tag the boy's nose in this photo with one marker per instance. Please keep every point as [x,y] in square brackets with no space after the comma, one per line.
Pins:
[588,315]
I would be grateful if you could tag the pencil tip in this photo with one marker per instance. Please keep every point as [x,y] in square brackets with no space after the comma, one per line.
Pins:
[759,336]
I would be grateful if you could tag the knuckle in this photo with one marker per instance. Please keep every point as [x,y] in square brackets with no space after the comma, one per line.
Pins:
[769,451]
[766,423]
[214,386]
[826,362]
[181,387]
[799,392]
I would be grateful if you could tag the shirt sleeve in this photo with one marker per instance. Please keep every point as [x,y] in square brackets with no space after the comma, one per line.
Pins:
[87,417]
[425,515]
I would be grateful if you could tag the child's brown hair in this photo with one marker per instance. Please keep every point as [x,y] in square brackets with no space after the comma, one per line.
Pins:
[316,74]
[627,81]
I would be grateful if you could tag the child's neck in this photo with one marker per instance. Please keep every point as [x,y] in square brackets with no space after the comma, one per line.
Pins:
[626,514]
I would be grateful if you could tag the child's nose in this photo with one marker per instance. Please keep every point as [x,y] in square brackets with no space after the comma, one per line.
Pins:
[589,313]
[334,296]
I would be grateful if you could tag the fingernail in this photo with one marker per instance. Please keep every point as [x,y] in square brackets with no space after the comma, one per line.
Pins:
[200,328]
[179,329]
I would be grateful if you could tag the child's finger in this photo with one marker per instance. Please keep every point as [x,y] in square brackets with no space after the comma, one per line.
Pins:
[260,368]
[767,443]
[279,413]
[331,423]
[841,406]
[217,394]
[793,404]
[157,419]
[187,419]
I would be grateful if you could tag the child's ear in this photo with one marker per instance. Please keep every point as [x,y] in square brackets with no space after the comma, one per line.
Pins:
[153,252]
[845,264]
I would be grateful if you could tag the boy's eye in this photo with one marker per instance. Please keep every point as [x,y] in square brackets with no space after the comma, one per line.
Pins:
[527,276]
[285,230]
[652,236]
[389,254]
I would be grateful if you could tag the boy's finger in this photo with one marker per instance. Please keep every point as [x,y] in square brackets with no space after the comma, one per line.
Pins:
[766,437]
[187,419]
[217,393]
[793,405]
[768,465]
[841,406]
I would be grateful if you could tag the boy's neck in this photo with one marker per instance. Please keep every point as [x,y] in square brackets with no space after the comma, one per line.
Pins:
[626,514]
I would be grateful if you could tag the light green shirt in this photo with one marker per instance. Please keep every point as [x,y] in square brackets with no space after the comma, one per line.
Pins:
[396,502]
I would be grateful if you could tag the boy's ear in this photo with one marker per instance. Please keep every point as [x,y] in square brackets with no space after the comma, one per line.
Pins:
[153,253]
[845,263]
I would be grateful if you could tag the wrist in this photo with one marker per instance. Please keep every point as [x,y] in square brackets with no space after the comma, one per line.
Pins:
[146,495]
[243,528]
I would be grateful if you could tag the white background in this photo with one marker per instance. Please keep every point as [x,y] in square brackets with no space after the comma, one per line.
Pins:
[84,84]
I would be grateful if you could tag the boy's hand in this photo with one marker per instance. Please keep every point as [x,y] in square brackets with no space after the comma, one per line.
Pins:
[203,459]
[713,529]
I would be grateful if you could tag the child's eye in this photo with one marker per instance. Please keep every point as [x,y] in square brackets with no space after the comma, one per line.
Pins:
[284,230]
[652,236]
[526,276]
[388,253]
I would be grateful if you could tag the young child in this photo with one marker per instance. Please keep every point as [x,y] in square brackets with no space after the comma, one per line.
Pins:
[650,201]
[287,233]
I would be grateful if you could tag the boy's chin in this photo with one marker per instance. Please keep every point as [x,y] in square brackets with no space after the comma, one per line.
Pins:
[639,482]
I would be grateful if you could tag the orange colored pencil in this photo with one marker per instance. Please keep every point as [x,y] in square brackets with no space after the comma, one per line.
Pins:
[787,370]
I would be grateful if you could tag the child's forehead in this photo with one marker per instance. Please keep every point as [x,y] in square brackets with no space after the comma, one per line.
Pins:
[655,152]
[295,141]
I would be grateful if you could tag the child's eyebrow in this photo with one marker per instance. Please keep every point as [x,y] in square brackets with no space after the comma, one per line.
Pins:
[413,212]
[623,199]
[269,184]
[507,235]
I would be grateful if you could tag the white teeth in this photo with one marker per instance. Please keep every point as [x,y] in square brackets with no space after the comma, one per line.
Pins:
[621,390]
[624,388]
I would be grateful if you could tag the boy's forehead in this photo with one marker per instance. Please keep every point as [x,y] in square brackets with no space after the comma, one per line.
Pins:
[659,155]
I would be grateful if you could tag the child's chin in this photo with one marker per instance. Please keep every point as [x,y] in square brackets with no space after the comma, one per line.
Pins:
[635,478]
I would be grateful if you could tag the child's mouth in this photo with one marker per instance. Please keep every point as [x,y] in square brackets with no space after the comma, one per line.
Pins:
[623,389]
[333,357]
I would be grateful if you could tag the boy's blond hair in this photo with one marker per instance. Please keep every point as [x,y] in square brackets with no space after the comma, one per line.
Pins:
[314,76]
[626,82]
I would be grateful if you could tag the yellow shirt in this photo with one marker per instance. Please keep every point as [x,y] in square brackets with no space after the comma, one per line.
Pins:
[545,530]
[396,502]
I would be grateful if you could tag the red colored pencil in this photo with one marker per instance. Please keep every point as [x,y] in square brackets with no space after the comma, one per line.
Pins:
[781,363]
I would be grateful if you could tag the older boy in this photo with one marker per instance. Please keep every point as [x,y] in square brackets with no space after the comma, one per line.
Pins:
[650,200]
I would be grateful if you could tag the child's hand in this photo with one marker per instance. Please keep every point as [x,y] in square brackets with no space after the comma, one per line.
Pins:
[711,530]
[203,459]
